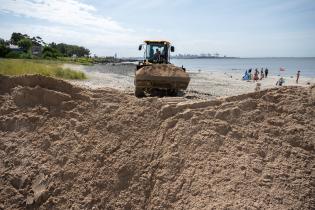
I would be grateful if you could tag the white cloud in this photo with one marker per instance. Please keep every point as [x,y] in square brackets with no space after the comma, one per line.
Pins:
[104,43]
[66,12]
[72,22]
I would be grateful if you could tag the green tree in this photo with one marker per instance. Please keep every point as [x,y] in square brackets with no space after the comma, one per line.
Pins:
[25,44]
[49,52]
[70,50]
[37,41]
[52,50]
[4,49]
[16,37]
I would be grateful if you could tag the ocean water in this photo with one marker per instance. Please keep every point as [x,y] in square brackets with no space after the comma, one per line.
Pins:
[291,65]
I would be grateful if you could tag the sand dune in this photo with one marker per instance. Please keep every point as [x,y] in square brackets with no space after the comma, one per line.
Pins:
[65,147]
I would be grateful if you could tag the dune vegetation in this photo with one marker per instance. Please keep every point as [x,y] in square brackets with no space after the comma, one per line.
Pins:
[15,67]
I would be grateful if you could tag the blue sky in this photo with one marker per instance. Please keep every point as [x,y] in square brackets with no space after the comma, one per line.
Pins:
[245,28]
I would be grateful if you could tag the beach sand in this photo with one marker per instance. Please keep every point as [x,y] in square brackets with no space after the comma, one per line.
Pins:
[229,84]
[66,147]
[204,85]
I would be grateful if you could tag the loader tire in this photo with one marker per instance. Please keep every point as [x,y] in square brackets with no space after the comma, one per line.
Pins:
[139,92]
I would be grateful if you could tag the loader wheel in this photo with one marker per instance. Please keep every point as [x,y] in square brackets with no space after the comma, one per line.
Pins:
[139,93]
[172,92]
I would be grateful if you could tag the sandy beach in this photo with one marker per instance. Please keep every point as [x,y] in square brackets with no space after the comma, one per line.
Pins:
[204,85]
[68,147]
[142,105]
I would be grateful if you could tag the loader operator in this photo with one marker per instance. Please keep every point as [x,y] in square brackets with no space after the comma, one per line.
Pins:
[157,55]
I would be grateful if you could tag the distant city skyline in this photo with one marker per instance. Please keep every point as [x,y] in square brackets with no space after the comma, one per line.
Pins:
[240,28]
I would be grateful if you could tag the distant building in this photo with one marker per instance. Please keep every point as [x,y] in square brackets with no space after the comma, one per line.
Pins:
[37,50]
[15,48]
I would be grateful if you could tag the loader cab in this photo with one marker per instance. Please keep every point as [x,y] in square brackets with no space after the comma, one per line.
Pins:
[157,51]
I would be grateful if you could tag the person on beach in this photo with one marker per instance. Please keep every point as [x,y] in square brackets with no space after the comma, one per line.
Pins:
[266,72]
[256,75]
[298,76]
[262,74]
[246,76]
[250,74]
[280,82]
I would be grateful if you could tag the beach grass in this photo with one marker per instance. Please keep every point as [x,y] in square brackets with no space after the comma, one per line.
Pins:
[14,67]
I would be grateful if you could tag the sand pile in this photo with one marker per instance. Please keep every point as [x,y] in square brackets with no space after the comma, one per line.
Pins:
[62,147]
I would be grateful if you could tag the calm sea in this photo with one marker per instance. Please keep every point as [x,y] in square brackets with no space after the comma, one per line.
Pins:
[291,65]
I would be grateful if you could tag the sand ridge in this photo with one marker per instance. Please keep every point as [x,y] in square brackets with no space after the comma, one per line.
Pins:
[64,147]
